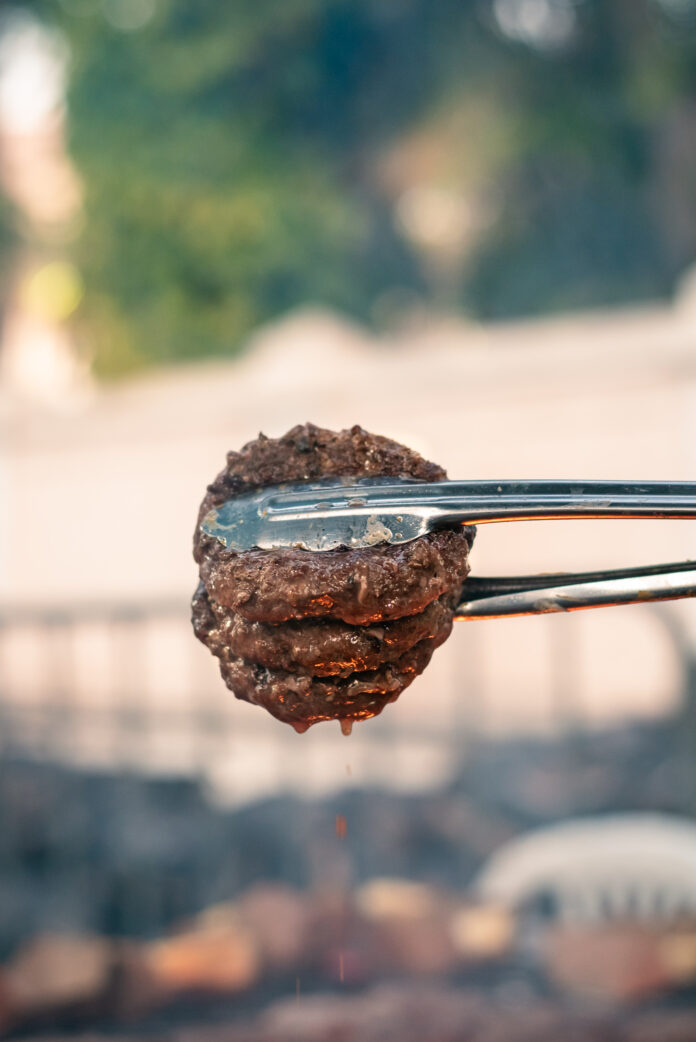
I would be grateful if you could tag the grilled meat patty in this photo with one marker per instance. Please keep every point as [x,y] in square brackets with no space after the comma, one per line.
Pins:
[319,647]
[357,586]
[302,700]
[328,635]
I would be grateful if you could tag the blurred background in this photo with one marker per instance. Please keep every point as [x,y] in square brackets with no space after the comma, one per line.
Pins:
[469,226]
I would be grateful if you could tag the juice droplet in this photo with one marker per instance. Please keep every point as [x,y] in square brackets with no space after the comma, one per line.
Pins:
[346,726]
[341,827]
[300,726]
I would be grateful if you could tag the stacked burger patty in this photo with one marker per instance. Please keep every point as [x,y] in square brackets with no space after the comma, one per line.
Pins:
[330,635]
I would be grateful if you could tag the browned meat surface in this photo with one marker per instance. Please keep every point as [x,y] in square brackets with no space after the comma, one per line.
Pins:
[307,453]
[335,635]
[321,648]
[301,700]
[357,586]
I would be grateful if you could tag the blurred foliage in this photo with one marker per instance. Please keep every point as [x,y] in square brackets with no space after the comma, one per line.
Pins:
[240,159]
[9,237]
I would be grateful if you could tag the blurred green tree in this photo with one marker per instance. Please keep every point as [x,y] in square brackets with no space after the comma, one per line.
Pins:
[505,156]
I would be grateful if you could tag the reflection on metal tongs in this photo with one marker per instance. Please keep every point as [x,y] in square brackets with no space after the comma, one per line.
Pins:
[363,512]
[537,594]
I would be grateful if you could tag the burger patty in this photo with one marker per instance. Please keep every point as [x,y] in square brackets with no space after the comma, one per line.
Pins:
[325,647]
[334,634]
[302,700]
[358,586]
[309,453]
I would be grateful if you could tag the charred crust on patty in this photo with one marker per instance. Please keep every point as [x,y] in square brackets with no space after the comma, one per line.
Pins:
[304,700]
[318,647]
[276,585]
[334,634]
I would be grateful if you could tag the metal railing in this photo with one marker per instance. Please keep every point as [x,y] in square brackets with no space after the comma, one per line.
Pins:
[126,687]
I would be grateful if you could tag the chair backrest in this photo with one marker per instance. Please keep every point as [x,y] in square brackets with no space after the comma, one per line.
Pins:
[627,866]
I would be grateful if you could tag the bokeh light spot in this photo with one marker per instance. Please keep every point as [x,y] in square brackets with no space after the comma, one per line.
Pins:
[53,291]
[544,24]
[32,71]
[129,15]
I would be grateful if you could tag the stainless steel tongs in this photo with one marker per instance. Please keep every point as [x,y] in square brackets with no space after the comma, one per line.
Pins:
[363,512]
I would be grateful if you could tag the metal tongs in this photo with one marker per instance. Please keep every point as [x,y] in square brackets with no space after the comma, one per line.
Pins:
[362,512]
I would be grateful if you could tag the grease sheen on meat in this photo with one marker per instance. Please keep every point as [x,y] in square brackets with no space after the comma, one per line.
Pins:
[328,635]
[319,647]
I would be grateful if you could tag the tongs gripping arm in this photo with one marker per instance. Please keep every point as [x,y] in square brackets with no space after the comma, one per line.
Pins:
[491,598]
